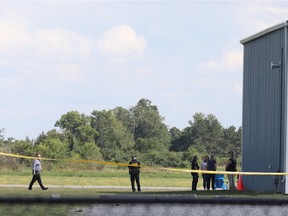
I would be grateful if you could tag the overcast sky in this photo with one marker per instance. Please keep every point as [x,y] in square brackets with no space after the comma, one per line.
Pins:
[184,56]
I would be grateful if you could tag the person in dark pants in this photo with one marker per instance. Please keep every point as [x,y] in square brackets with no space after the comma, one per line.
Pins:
[204,167]
[36,170]
[211,166]
[195,176]
[134,172]
[231,167]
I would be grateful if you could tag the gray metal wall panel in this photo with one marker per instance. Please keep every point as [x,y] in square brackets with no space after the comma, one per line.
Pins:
[262,146]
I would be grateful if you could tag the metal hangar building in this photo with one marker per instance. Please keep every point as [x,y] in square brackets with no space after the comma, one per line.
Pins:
[265,107]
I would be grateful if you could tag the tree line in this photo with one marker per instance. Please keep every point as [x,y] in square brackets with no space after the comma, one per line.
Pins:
[117,134]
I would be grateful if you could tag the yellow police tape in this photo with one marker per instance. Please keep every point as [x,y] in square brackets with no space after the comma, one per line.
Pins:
[162,168]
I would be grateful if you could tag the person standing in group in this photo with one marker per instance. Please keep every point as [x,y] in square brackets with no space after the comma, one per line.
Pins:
[211,166]
[134,172]
[204,167]
[195,176]
[36,170]
[231,167]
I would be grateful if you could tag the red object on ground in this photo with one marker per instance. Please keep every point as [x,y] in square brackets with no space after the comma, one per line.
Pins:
[240,185]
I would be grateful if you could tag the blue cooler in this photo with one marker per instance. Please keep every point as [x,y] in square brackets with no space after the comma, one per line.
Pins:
[220,181]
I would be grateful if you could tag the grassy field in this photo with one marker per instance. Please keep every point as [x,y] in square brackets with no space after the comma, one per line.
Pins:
[99,178]
[107,177]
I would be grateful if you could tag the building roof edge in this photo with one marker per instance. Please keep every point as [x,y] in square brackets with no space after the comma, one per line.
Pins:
[266,31]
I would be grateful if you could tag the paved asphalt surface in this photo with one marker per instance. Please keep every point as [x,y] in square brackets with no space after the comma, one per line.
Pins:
[171,205]
[180,209]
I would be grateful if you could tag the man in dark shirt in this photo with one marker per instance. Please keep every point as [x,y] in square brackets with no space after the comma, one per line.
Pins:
[231,167]
[195,176]
[134,172]
[211,165]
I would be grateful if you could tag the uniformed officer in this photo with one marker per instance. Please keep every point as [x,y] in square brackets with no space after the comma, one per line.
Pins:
[134,172]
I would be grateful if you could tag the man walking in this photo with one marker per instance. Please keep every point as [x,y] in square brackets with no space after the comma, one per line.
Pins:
[36,170]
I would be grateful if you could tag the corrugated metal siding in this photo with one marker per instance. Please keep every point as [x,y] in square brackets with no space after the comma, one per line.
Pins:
[262,146]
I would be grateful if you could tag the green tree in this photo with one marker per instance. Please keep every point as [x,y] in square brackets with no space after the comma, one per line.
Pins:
[175,133]
[52,134]
[204,135]
[52,148]
[124,116]
[189,153]
[21,147]
[89,151]
[207,133]
[144,145]
[182,140]
[114,140]
[77,128]
[2,131]
[148,124]
[232,140]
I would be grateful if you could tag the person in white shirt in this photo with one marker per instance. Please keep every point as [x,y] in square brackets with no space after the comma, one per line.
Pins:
[36,170]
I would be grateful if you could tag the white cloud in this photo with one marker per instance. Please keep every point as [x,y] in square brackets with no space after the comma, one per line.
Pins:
[258,16]
[230,61]
[121,43]
[17,42]
[13,37]
[261,15]
[44,53]
[62,45]
[233,60]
